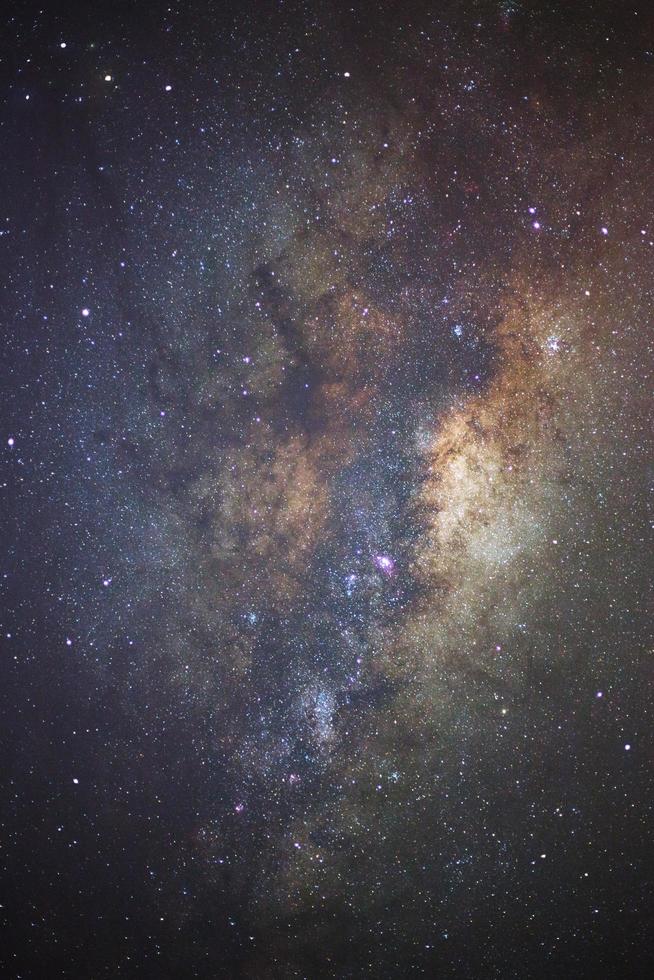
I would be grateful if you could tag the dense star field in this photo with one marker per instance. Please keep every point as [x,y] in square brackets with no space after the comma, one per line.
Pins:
[325,451]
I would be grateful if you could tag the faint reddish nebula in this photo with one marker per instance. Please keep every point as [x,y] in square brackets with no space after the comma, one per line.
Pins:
[385,564]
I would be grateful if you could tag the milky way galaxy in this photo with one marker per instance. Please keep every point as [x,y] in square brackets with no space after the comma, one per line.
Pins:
[327,408]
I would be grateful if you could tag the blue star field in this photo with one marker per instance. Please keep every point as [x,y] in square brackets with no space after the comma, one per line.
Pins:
[325,474]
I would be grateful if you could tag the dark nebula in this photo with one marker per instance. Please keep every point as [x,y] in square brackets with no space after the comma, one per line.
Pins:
[326,448]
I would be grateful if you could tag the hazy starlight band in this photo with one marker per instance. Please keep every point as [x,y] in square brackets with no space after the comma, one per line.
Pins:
[326,453]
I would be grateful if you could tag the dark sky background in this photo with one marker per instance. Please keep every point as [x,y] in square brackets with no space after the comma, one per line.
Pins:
[325,458]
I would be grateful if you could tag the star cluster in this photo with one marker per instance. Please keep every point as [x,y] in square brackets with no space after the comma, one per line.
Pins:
[326,465]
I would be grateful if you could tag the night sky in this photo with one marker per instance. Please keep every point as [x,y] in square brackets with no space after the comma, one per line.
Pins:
[325,456]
